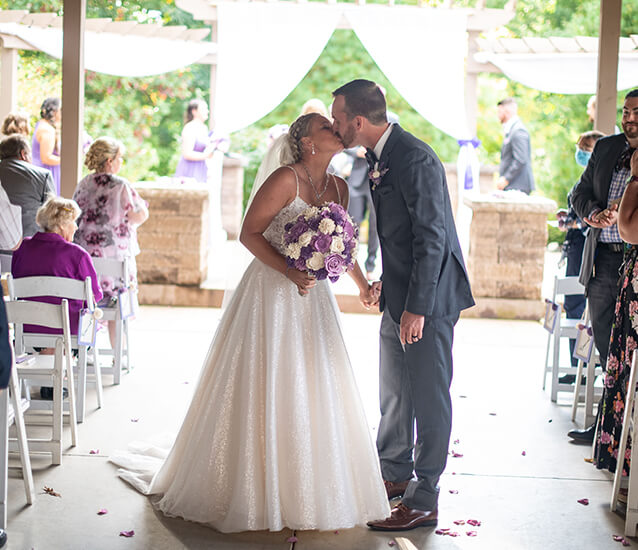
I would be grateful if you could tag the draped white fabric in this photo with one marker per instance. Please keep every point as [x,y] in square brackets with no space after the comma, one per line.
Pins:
[561,73]
[117,54]
[422,52]
[264,52]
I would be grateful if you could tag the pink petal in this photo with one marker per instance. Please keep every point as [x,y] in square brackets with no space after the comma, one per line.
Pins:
[454,492]
[492,414]
[617,538]
[456,441]
[474,522]
[94,452]
[456,455]
[336,532]
[135,419]
[524,453]
[102,511]
[625,542]
[292,539]
[127,534]
[583,501]
[441,531]
[453,534]
[391,543]
[471,533]
[459,522]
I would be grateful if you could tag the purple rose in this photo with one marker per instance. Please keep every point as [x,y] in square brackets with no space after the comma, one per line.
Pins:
[300,264]
[335,265]
[321,274]
[314,223]
[298,229]
[323,242]
[348,231]
[306,252]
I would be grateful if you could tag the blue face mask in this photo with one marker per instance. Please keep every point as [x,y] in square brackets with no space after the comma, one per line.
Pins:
[582,157]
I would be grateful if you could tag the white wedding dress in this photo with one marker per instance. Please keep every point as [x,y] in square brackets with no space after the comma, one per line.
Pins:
[276,434]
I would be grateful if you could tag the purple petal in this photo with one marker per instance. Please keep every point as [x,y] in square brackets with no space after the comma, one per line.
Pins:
[102,511]
[127,534]
[583,501]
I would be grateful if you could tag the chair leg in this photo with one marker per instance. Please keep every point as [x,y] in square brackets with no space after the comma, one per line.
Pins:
[546,367]
[81,394]
[97,369]
[23,445]
[117,352]
[555,366]
[73,419]
[127,346]
[631,516]
[4,456]
[579,377]
[58,407]
[589,393]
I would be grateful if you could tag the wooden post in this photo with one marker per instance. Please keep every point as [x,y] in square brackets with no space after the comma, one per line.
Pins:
[8,81]
[72,94]
[471,83]
[608,45]
[213,80]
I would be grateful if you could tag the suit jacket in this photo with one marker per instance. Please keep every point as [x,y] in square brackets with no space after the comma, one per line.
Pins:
[423,269]
[592,192]
[27,186]
[516,159]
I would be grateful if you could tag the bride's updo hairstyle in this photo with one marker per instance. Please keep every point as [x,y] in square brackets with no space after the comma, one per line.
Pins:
[300,128]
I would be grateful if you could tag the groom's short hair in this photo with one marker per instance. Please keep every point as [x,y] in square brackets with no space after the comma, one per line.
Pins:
[363,98]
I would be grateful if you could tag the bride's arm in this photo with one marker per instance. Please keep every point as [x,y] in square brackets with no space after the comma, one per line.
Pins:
[276,192]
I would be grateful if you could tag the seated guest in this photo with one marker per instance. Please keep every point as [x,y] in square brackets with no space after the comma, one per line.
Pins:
[16,123]
[111,212]
[27,186]
[52,253]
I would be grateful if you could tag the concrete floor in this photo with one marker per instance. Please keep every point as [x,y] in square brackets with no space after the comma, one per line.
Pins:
[523,501]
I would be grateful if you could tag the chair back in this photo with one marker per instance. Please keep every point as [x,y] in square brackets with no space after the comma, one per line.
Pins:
[59,287]
[112,268]
[55,316]
[567,285]
[5,263]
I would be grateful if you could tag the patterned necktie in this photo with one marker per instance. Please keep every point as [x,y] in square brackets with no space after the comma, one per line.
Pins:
[371,158]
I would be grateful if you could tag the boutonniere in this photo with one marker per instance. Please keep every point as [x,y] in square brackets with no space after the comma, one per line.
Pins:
[375,174]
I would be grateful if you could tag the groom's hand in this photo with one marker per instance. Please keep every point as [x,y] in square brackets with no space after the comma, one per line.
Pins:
[411,327]
[369,297]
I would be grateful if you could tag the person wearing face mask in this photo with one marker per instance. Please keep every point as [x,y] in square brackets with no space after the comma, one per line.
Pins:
[572,252]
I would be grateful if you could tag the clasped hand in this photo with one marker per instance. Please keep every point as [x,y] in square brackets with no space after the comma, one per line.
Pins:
[370,296]
[301,279]
[604,218]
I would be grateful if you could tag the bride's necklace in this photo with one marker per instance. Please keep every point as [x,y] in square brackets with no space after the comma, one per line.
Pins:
[325,185]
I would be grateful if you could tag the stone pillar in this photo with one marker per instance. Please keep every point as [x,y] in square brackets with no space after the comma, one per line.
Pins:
[174,240]
[232,196]
[508,237]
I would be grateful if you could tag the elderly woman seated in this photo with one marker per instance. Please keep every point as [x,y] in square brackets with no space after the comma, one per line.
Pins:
[51,252]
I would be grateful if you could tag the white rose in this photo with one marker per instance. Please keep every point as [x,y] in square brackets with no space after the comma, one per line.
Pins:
[305,238]
[376,175]
[293,250]
[339,229]
[337,245]
[326,226]
[315,262]
[310,213]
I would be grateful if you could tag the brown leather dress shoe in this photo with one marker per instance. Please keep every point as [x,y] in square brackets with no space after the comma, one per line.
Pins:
[404,519]
[397,489]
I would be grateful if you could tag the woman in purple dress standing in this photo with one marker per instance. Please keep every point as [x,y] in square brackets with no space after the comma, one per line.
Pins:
[197,148]
[45,148]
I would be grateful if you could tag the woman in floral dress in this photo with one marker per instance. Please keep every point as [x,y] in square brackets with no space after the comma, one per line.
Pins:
[111,212]
[624,336]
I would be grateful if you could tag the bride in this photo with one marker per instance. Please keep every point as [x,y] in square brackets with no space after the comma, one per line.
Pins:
[275,435]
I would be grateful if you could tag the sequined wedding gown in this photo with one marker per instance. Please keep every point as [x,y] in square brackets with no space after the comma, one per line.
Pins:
[276,434]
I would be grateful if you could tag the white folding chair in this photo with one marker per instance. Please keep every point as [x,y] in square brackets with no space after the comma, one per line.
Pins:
[12,408]
[565,328]
[48,369]
[60,287]
[118,269]
[593,369]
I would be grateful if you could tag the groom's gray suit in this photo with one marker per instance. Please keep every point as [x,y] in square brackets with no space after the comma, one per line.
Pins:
[423,273]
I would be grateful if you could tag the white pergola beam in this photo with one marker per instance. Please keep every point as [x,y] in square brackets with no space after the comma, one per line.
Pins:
[8,80]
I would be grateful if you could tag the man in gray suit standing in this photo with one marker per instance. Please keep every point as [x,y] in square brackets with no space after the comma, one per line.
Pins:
[26,185]
[424,288]
[515,170]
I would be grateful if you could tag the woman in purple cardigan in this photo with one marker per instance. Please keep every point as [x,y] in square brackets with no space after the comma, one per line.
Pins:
[51,252]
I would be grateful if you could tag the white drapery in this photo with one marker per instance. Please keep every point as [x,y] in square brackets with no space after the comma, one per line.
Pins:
[264,52]
[421,52]
[561,73]
[117,54]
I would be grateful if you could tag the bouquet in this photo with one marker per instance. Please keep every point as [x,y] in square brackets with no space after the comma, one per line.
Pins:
[322,241]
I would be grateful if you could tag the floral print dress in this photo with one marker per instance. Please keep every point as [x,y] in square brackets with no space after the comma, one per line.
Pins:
[623,341]
[103,229]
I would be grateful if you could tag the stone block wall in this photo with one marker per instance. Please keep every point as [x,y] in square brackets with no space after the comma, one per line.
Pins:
[486,182]
[507,252]
[174,240]
[232,195]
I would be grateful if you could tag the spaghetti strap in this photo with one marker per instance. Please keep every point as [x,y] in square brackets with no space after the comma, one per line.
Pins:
[337,186]
[296,177]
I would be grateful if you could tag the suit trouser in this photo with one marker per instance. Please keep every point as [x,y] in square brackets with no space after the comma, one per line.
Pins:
[357,208]
[602,291]
[415,385]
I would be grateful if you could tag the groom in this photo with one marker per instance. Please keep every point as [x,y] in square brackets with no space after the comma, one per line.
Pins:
[424,288]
